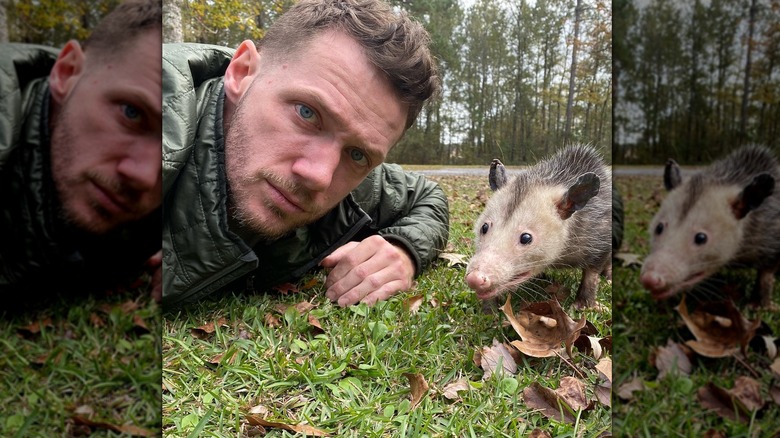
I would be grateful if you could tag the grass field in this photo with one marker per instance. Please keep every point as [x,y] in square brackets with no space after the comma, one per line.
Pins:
[347,378]
[87,366]
[669,406]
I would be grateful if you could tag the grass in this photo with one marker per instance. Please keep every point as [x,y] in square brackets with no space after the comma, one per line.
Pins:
[93,357]
[670,407]
[348,379]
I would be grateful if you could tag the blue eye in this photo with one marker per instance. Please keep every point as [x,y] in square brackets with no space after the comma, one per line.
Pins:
[358,156]
[305,112]
[131,112]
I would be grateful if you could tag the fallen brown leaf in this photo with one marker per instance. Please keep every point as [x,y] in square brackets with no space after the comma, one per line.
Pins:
[776,367]
[748,391]
[721,401]
[589,345]
[603,394]
[491,356]
[272,321]
[96,320]
[34,328]
[548,403]
[139,322]
[572,391]
[125,428]
[451,390]
[314,325]
[719,328]
[413,304]
[207,329]
[542,327]
[418,386]
[629,259]
[774,393]
[257,420]
[671,359]
[539,433]
[286,288]
[626,390]
[454,259]
[605,368]
[311,283]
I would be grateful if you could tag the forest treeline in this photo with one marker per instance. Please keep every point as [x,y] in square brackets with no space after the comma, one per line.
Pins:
[521,78]
[695,79]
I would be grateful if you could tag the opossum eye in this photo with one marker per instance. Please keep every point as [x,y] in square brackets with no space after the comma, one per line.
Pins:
[485,228]
[700,239]
[525,239]
[659,229]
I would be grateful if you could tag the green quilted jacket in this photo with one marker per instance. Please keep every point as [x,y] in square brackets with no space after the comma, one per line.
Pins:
[38,252]
[201,255]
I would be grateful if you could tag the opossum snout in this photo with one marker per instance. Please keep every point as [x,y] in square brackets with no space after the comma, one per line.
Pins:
[478,281]
[652,281]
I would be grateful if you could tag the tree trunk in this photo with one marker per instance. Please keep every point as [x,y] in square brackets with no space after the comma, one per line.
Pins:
[172,23]
[573,73]
[746,86]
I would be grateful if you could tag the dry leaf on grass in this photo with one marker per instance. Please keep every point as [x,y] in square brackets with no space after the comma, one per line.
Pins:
[272,321]
[315,326]
[671,359]
[302,307]
[629,259]
[33,329]
[548,402]
[539,433]
[542,327]
[719,328]
[413,304]
[736,403]
[572,391]
[454,259]
[286,288]
[626,390]
[257,420]
[418,386]
[451,390]
[490,357]
[774,393]
[776,367]
[125,428]
[605,368]
[207,329]
[589,345]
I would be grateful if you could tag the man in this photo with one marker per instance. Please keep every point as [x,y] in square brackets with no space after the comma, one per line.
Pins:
[80,156]
[272,154]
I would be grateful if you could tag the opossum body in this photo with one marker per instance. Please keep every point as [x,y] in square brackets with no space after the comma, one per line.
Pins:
[727,214]
[555,214]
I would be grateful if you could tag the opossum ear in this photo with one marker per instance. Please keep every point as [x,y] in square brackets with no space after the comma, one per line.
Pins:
[753,195]
[672,177]
[497,177]
[586,187]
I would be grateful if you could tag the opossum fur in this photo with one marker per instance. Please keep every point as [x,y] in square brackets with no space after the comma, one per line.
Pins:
[555,214]
[727,214]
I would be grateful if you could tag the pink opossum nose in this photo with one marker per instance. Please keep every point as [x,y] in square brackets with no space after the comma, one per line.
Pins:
[652,281]
[478,281]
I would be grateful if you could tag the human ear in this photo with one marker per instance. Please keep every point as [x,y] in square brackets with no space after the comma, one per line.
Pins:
[66,71]
[241,71]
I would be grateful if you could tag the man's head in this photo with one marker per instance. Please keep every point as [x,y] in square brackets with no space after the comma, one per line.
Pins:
[106,120]
[332,88]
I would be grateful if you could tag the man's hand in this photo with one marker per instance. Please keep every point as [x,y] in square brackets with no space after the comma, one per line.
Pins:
[154,264]
[367,271]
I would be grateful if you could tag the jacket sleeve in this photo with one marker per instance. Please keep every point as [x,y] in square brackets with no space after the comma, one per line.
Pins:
[406,209]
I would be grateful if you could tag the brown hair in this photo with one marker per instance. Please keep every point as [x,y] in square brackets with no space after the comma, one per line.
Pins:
[393,43]
[121,26]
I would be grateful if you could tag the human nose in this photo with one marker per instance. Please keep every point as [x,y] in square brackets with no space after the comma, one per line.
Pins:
[141,167]
[317,164]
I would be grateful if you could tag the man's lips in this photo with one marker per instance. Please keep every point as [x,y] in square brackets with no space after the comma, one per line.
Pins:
[285,200]
[110,200]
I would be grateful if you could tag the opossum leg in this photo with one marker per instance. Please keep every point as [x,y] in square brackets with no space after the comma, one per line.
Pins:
[765,284]
[586,294]
[607,271]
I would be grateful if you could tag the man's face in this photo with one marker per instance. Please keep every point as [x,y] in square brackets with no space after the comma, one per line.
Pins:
[307,131]
[106,139]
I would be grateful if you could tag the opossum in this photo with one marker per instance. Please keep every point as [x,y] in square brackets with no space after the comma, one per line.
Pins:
[555,214]
[727,214]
